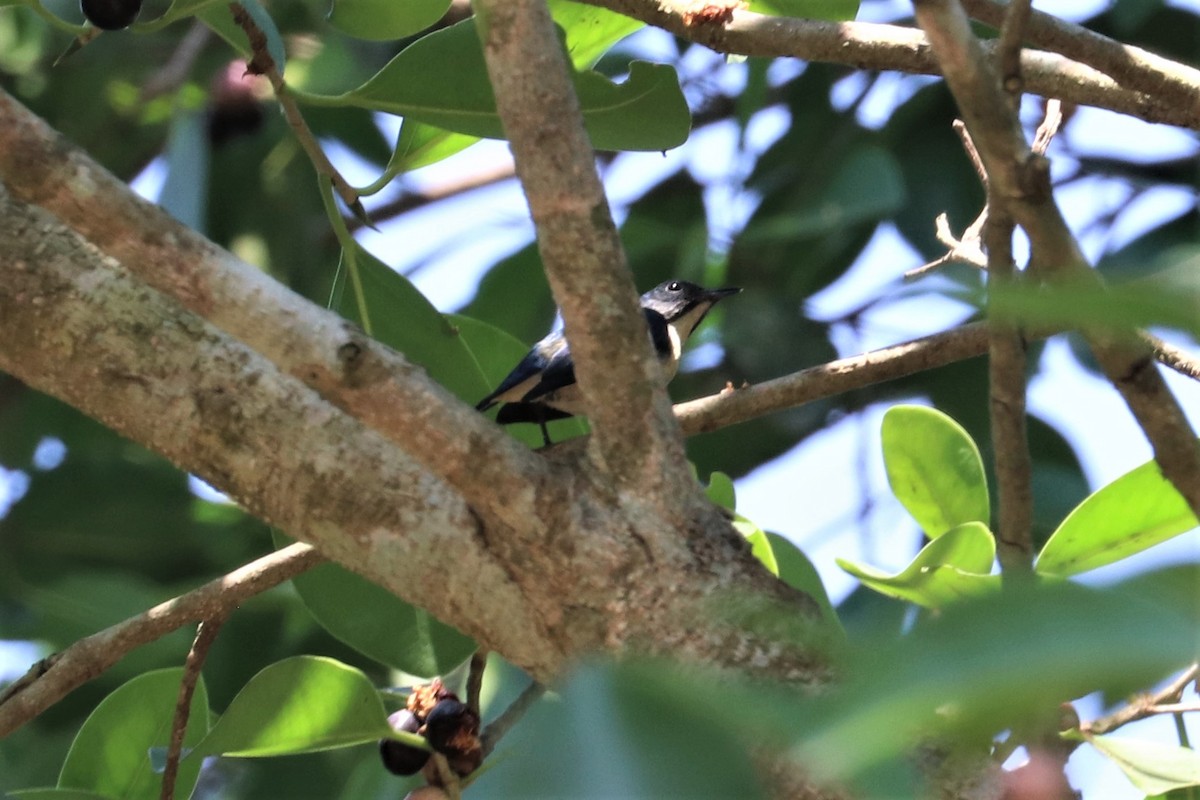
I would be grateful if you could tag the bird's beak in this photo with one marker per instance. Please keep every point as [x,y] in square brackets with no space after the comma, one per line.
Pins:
[717,294]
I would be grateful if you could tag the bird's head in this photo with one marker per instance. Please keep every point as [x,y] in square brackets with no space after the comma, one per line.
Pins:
[683,304]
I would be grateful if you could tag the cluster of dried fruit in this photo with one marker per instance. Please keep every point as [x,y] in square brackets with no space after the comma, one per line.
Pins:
[448,725]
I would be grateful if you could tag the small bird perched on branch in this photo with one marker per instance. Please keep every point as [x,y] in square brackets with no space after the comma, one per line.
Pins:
[542,386]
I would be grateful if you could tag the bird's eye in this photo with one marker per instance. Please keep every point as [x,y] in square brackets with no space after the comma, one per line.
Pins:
[674,286]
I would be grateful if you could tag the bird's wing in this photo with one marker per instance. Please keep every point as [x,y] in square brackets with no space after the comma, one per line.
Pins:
[527,375]
[558,373]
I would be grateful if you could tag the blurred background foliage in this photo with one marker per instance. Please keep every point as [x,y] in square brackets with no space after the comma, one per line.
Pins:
[95,529]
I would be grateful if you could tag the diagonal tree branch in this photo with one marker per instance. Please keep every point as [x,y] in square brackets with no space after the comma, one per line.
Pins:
[866,45]
[53,678]
[318,347]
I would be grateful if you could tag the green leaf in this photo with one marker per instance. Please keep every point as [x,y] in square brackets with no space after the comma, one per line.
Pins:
[398,315]
[1169,298]
[1153,767]
[381,20]
[720,491]
[110,753]
[965,673]
[299,705]
[934,469]
[590,32]
[952,567]
[807,9]
[441,80]
[496,353]
[760,545]
[628,739]
[184,194]
[378,624]
[219,18]
[797,571]
[1138,510]
[183,8]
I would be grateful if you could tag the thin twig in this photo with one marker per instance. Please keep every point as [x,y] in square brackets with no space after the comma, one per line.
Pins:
[1174,357]
[496,730]
[263,64]
[1143,706]
[50,680]
[447,777]
[206,634]
[410,201]
[475,679]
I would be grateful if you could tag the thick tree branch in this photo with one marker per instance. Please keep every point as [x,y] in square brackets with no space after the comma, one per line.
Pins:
[77,326]
[318,347]
[50,680]
[636,439]
[866,45]
[1022,180]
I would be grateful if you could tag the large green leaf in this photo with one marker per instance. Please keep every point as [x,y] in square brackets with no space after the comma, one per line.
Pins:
[378,624]
[954,566]
[1153,767]
[1138,510]
[397,314]
[441,79]
[760,545]
[110,754]
[966,672]
[299,705]
[934,469]
[590,32]
[380,20]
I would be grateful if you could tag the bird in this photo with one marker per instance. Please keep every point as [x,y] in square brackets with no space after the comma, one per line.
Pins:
[542,386]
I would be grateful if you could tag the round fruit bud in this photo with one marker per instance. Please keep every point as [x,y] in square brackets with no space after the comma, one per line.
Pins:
[400,758]
[111,15]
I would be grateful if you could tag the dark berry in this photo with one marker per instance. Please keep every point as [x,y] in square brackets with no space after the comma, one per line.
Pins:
[400,758]
[453,730]
[111,15]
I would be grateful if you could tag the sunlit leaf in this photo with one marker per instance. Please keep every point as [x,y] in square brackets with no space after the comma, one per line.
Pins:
[1138,510]
[952,567]
[110,754]
[380,20]
[299,705]
[720,491]
[1153,767]
[760,545]
[934,469]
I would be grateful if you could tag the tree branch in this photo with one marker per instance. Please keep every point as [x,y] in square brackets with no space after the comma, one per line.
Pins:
[866,45]
[1022,179]
[1131,67]
[52,679]
[636,439]
[359,375]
